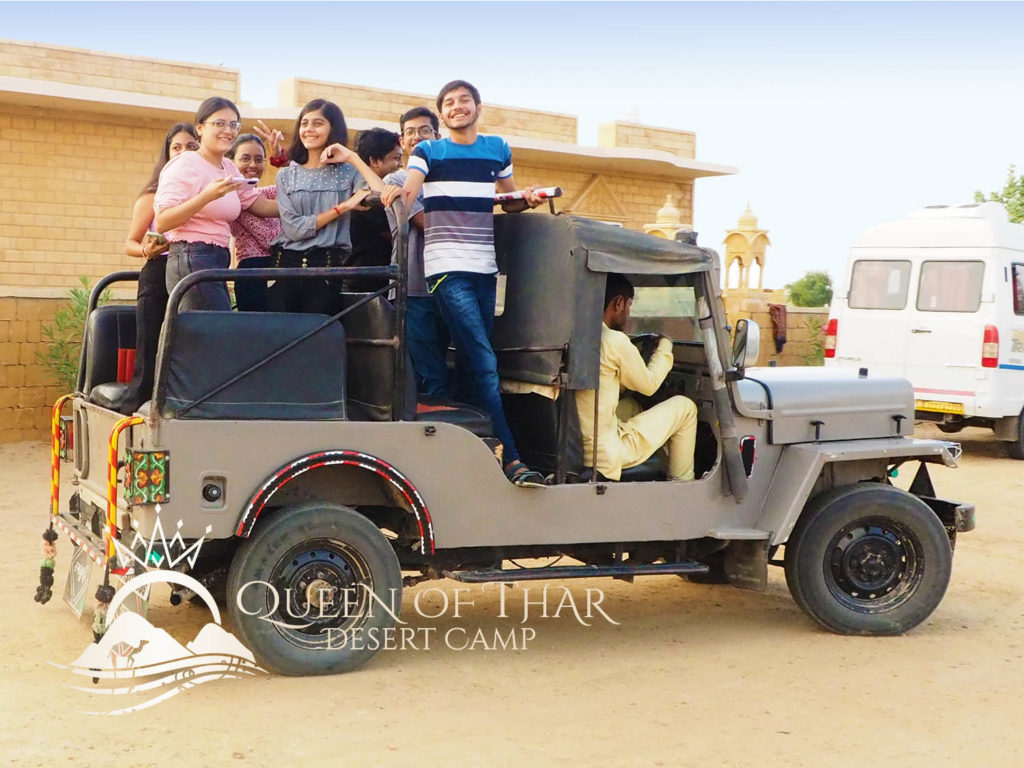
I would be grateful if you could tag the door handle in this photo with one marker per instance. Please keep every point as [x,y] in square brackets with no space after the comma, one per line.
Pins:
[920,330]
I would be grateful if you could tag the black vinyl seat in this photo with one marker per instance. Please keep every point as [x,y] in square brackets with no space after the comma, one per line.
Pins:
[209,349]
[110,395]
[109,355]
[652,469]
[476,420]
[534,421]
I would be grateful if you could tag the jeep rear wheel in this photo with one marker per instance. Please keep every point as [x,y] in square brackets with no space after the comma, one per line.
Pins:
[868,559]
[314,590]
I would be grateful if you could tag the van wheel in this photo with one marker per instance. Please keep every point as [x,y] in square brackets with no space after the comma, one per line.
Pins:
[305,580]
[868,559]
[1015,448]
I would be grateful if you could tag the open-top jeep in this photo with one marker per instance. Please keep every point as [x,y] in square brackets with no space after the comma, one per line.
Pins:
[295,447]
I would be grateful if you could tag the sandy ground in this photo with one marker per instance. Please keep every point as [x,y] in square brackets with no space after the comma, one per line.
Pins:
[691,675]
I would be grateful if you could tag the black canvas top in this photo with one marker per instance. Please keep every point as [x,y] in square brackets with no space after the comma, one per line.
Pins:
[555,269]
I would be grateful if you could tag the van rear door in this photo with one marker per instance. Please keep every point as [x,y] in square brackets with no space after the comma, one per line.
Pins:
[947,323]
[872,328]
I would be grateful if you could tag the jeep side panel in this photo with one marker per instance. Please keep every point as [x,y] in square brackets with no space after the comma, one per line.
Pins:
[469,501]
[801,466]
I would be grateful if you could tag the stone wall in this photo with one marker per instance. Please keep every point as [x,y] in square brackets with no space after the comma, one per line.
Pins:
[26,391]
[376,104]
[69,177]
[620,134]
[76,66]
[67,185]
[804,327]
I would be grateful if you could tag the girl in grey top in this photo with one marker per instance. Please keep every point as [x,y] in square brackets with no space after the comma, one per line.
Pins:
[324,182]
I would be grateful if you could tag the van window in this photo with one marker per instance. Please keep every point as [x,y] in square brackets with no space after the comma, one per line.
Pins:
[879,284]
[1018,289]
[950,286]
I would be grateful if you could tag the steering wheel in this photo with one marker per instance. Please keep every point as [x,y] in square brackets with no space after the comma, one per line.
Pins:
[646,343]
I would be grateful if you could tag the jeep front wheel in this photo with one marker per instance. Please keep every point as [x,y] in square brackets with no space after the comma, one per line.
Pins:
[314,590]
[868,559]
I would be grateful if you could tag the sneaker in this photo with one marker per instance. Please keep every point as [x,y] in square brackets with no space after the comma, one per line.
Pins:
[521,475]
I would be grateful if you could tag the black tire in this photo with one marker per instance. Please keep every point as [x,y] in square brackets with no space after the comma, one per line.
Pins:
[314,549]
[1015,448]
[949,429]
[868,559]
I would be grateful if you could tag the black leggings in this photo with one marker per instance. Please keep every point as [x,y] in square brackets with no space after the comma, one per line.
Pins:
[150,307]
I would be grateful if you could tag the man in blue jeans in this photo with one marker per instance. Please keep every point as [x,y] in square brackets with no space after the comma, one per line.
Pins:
[426,333]
[458,177]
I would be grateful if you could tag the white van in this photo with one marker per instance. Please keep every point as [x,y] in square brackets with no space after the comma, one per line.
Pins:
[938,298]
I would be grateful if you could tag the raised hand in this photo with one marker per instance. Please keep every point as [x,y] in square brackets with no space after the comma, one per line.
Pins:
[273,139]
[336,153]
[389,194]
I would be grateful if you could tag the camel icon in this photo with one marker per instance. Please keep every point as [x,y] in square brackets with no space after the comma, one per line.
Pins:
[129,657]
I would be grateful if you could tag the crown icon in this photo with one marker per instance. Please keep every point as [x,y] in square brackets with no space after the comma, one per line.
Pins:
[157,551]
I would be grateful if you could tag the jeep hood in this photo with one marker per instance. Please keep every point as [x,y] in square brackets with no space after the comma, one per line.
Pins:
[805,404]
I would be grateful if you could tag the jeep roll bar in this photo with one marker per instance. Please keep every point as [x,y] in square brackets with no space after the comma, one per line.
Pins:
[397,274]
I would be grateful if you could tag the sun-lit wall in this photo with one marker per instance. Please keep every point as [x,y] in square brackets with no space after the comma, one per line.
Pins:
[77,143]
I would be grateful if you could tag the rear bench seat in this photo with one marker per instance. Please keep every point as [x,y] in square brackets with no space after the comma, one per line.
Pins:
[109,355]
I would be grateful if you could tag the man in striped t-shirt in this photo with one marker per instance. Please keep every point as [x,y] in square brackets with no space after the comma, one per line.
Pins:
[459,176]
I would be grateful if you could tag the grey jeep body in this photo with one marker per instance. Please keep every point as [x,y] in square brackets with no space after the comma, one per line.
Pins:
[555,267]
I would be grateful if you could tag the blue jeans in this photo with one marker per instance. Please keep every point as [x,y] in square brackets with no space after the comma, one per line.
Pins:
[251,295]
[427,337]
[467,303]
[185,258]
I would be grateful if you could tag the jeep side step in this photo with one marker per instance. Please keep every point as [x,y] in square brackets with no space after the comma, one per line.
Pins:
[577,572]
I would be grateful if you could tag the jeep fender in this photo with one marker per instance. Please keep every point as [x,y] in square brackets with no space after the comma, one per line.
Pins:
[252,510]
[800,466]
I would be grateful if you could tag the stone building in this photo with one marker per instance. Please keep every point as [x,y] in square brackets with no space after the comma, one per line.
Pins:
[80,131]
[745,255]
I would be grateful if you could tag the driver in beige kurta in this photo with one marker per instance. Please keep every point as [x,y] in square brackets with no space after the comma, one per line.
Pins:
[624,444]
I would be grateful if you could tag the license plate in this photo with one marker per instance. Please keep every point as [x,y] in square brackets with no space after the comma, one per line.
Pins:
[79,574]
[938,406]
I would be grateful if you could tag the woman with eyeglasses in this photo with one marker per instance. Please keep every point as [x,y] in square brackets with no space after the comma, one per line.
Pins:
[324,181]
[252,234]
[151,300]
[199,195]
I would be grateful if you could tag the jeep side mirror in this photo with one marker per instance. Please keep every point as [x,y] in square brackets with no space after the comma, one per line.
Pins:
[746,344]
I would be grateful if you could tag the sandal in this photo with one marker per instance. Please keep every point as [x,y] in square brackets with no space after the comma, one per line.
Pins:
[521,475]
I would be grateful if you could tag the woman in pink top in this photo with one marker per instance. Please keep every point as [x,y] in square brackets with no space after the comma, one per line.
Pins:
[252,234]
[198,197]
[151,300]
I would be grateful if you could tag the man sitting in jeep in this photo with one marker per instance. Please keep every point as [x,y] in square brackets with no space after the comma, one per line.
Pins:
[623,444]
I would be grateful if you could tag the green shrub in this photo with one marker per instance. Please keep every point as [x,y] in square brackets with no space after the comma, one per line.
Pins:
[62,338]
[816,342]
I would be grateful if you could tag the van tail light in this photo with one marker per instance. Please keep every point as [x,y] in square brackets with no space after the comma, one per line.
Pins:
[990,347]
[830,337]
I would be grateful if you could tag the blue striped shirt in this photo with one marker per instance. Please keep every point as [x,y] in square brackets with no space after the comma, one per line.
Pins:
[458,202]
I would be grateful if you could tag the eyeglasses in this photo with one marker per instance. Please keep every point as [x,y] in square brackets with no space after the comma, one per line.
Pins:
[220,125]
[424,132]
